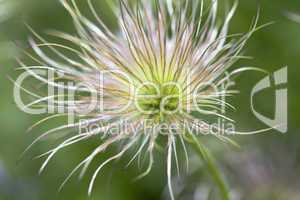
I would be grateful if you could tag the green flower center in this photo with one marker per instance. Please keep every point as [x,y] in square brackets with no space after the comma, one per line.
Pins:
[158,101]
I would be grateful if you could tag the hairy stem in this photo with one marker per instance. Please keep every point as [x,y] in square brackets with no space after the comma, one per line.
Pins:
[205,154]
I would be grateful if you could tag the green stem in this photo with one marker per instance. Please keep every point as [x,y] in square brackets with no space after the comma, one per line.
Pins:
[204,153]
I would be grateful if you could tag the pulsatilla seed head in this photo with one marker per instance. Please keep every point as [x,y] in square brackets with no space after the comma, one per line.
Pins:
[166,62]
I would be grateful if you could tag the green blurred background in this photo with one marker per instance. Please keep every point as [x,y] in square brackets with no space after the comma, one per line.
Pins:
[267,167]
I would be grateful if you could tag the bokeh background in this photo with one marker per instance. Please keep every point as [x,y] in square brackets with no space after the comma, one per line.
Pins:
[266,167]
